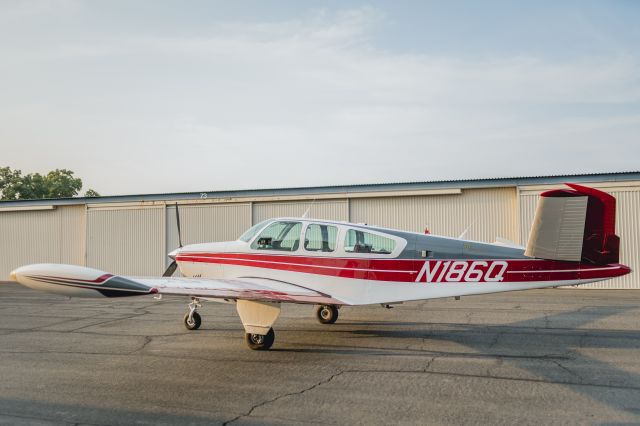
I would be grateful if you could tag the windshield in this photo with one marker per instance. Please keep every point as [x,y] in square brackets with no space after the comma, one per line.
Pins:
[251,232]
[283,236]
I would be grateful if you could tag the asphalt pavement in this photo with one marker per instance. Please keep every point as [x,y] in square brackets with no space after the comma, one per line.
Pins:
[537,357]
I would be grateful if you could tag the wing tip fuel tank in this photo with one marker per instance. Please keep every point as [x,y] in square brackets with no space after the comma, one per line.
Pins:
[77,281]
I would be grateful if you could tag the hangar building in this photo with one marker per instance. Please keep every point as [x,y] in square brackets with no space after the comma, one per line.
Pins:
[132,234]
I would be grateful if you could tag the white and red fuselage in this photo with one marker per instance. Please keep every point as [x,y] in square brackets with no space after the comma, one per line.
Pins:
[419,267]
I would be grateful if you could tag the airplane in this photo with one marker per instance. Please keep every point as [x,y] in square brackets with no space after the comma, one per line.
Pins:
[332,264]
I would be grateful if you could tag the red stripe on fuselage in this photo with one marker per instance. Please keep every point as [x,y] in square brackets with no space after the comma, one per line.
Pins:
[408,270]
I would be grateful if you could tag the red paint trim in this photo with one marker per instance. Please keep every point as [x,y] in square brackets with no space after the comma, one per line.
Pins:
[608,218]
[406,270]
[99,280]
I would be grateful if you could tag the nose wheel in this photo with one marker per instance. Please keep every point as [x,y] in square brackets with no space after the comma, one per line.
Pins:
[260,342]
[192,319]
[327,314]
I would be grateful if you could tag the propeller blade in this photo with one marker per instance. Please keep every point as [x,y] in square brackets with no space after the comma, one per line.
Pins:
[174,265]
[178,223]
[171,269]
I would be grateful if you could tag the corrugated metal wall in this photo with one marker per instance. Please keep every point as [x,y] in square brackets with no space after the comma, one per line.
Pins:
[207,223]
[628,206]
[40,237]
[321,209]
[129,241]
[72,234]
[135,240]
[488,213]
[526,212]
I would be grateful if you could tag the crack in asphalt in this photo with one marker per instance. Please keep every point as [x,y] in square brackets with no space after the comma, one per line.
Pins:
[568,370]
[269,401]
[147,340]
[547,321]
[428,365]
[490,368]
[495,339]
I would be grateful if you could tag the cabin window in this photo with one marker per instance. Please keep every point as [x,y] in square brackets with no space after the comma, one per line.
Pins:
[251,232]
[283,236]
[320,238]
[363,242]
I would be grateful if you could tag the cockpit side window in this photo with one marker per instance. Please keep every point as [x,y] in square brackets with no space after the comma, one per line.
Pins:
[282,236]
[357,241]
[320,238]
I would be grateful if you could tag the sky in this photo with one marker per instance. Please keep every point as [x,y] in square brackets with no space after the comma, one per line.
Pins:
[173,96]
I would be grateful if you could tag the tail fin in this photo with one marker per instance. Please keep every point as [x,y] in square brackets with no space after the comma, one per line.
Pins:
[576,224]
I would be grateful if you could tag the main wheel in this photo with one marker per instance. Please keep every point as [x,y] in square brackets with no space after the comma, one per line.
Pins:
[327,314]
[260,342]
[194,324]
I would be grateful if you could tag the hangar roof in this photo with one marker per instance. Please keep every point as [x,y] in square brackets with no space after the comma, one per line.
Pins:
[338,189]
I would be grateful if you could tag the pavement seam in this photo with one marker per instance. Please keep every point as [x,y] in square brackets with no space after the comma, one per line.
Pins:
[52,420]
[480,376]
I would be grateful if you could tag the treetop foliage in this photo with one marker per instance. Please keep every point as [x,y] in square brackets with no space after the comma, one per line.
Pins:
[58,183]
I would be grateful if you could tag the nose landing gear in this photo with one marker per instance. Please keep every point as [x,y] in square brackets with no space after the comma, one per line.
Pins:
[192,319]
[327,314]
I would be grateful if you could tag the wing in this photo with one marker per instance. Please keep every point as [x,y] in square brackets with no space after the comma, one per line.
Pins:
[80,281]
[247,289]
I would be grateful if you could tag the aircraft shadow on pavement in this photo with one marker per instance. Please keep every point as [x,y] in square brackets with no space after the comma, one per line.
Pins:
[12,412]
[550,348]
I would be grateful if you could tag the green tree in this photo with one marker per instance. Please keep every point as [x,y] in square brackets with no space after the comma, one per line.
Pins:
[59,183]
[91,193]
[10,181]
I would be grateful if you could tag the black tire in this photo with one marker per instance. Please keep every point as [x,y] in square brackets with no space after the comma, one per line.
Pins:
[197,321]
[260,342]
[327,314]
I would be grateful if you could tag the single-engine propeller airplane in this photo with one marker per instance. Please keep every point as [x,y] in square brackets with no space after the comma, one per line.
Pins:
[332,264]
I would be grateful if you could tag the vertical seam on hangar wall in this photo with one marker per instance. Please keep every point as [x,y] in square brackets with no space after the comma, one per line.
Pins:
[86,232]
[517,218]
[60,242]
[164,235]
[71,234]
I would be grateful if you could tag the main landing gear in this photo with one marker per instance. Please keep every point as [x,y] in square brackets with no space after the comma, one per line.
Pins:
[260,342]
[257,319]
[192,319]
[327,314]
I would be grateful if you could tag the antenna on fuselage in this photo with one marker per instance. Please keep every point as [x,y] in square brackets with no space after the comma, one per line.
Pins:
[465,231]
[306,214]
